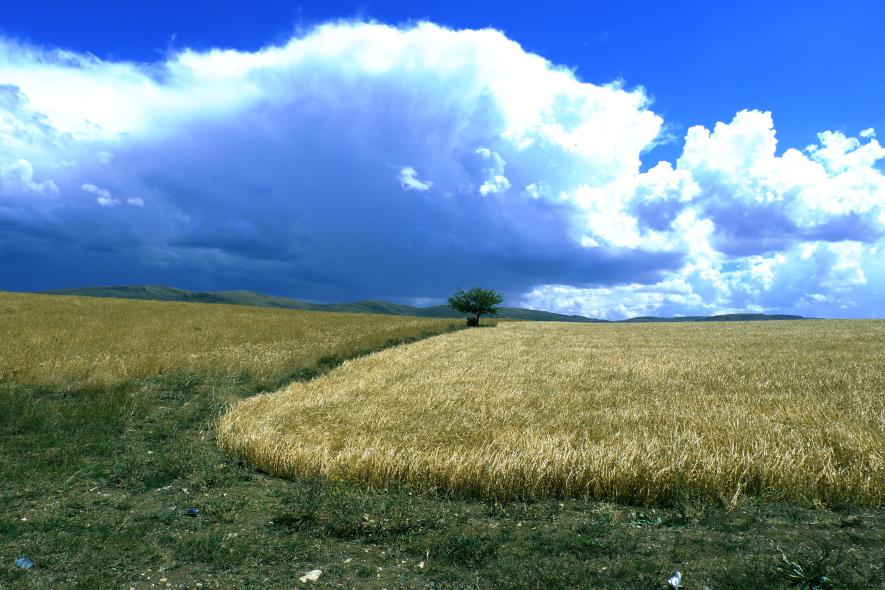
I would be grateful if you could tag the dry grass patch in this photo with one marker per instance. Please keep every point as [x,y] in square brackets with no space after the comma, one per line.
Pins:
[648,414]
[61,341]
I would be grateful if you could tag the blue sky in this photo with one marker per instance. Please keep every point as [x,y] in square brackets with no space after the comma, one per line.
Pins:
[610,159]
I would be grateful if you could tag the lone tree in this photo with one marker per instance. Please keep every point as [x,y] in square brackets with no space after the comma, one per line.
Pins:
[476,302]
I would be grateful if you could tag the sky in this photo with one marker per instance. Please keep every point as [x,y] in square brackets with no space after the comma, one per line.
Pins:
[609,159]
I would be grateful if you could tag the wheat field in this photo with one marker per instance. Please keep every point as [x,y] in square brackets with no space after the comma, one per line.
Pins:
[63,341]
[651,414]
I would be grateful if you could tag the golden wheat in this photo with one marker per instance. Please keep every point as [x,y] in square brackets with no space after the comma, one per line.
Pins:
[645,414]
[62,341]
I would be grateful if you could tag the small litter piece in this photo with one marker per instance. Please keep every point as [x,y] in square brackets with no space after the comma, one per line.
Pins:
[675,580]
[24,563]
[311,576]
[193,511]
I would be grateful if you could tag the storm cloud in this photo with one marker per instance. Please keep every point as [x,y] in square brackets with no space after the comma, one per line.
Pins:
[367,161]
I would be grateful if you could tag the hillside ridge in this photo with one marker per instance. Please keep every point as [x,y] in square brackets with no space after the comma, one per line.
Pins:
[251,298]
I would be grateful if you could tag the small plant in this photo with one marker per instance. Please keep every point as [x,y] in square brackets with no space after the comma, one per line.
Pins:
[647,519]
[811,575]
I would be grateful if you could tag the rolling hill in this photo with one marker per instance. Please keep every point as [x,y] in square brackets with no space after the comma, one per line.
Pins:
[161,293]
[726,317]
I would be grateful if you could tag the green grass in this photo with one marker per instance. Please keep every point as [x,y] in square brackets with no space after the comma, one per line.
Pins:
[96,483]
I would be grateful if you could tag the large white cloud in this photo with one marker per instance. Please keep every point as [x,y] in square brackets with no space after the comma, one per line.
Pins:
[363,160]
[795,232]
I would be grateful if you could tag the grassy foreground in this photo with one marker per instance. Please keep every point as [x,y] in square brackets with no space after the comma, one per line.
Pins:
[96,477]
[647,415]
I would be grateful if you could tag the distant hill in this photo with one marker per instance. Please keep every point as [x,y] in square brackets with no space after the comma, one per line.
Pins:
[160,293]
[727,317]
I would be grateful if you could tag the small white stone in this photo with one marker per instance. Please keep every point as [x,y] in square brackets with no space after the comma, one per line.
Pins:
[311,576]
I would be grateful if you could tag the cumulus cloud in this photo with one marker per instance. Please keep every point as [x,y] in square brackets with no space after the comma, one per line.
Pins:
[492,165]
[103,196]
[18,177]
[272,170]
[796,232]
[408,179]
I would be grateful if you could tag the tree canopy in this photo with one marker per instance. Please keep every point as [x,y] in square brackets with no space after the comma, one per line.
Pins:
[476,302]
